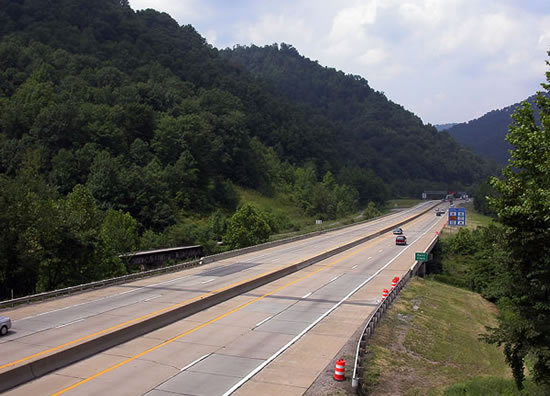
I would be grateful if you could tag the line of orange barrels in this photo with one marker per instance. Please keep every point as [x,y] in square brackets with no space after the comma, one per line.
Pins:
[340,369]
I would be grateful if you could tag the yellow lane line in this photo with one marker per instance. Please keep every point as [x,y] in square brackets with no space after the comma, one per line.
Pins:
[82,382]
[69,343]
[120,325]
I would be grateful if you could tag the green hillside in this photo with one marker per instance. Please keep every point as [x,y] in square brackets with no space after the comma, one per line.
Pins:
[121,130]
[429,345]
[373,132]
[486,135]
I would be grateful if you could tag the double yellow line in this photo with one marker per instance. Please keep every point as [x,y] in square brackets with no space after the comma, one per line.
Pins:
[82,382]
[120,325]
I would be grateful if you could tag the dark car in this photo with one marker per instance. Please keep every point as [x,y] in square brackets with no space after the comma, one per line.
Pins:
[401,240]
[5,324]
[397,231]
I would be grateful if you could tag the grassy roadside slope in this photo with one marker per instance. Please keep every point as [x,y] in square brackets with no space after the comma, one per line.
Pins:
[429,341]
[294,221]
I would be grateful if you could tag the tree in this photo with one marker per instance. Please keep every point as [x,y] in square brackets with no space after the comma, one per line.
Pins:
[248,226]
[104,179]
[79,237]
[371,211]
[29,218]
[523,207]
[118,234]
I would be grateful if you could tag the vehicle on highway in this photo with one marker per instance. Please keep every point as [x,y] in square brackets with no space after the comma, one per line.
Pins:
[401,240]
[5,325]
[439,212]
[397,231]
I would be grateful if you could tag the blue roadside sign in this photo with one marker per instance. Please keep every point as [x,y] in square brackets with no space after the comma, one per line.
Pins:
[457,216]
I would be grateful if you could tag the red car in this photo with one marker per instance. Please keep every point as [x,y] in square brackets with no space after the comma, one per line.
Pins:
[401,240]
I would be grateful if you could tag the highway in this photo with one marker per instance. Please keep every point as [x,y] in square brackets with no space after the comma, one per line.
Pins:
[213,350]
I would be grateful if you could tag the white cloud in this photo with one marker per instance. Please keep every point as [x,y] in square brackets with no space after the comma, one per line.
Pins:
[211,37]
[180,10]
[350,21]
[425,13]
[276,29]
[373,56]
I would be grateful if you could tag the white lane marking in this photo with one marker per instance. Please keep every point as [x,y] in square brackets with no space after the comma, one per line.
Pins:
[195,362]
[209,280]
[256,257]
[70,323]
[352,230]
[380,250]
[333,279]
[276,260]
[263,321]
[307,295]
[369,258]
[152,298]
[285,347]
[103,298]
[355,266]
[248,269]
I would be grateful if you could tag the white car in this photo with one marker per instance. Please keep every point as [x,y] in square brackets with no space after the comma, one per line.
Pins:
[5,325]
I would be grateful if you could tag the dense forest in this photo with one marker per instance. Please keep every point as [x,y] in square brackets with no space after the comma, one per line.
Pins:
[122,130]
[372,131]
[486,135]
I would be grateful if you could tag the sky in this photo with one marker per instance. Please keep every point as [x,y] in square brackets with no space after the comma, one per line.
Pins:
[444,60]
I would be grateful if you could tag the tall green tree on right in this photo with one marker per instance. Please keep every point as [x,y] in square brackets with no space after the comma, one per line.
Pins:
[522,205]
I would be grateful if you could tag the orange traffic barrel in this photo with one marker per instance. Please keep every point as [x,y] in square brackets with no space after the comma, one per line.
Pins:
[395,281]
[339,370]
[385,293]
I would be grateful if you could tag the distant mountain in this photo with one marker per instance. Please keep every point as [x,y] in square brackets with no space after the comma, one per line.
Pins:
[370,130]
[444,127]
[486,135]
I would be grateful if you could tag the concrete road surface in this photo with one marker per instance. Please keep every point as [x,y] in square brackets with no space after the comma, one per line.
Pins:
[275,339]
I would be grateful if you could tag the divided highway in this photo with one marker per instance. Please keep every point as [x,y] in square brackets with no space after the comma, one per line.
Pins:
[216,349]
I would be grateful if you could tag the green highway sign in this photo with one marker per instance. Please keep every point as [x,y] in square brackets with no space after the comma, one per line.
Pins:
[420,256]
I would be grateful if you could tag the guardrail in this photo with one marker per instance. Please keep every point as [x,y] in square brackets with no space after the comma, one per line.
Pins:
[176,267]
[374,318]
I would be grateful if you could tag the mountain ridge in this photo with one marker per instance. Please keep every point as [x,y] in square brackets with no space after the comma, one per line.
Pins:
[486,135]
[122,130]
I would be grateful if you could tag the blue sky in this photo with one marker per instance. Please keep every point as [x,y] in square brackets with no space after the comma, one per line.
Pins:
[444,60]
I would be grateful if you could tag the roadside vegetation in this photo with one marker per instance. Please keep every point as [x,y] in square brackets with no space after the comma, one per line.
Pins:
[429,344]
[443,339]
[434,339]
